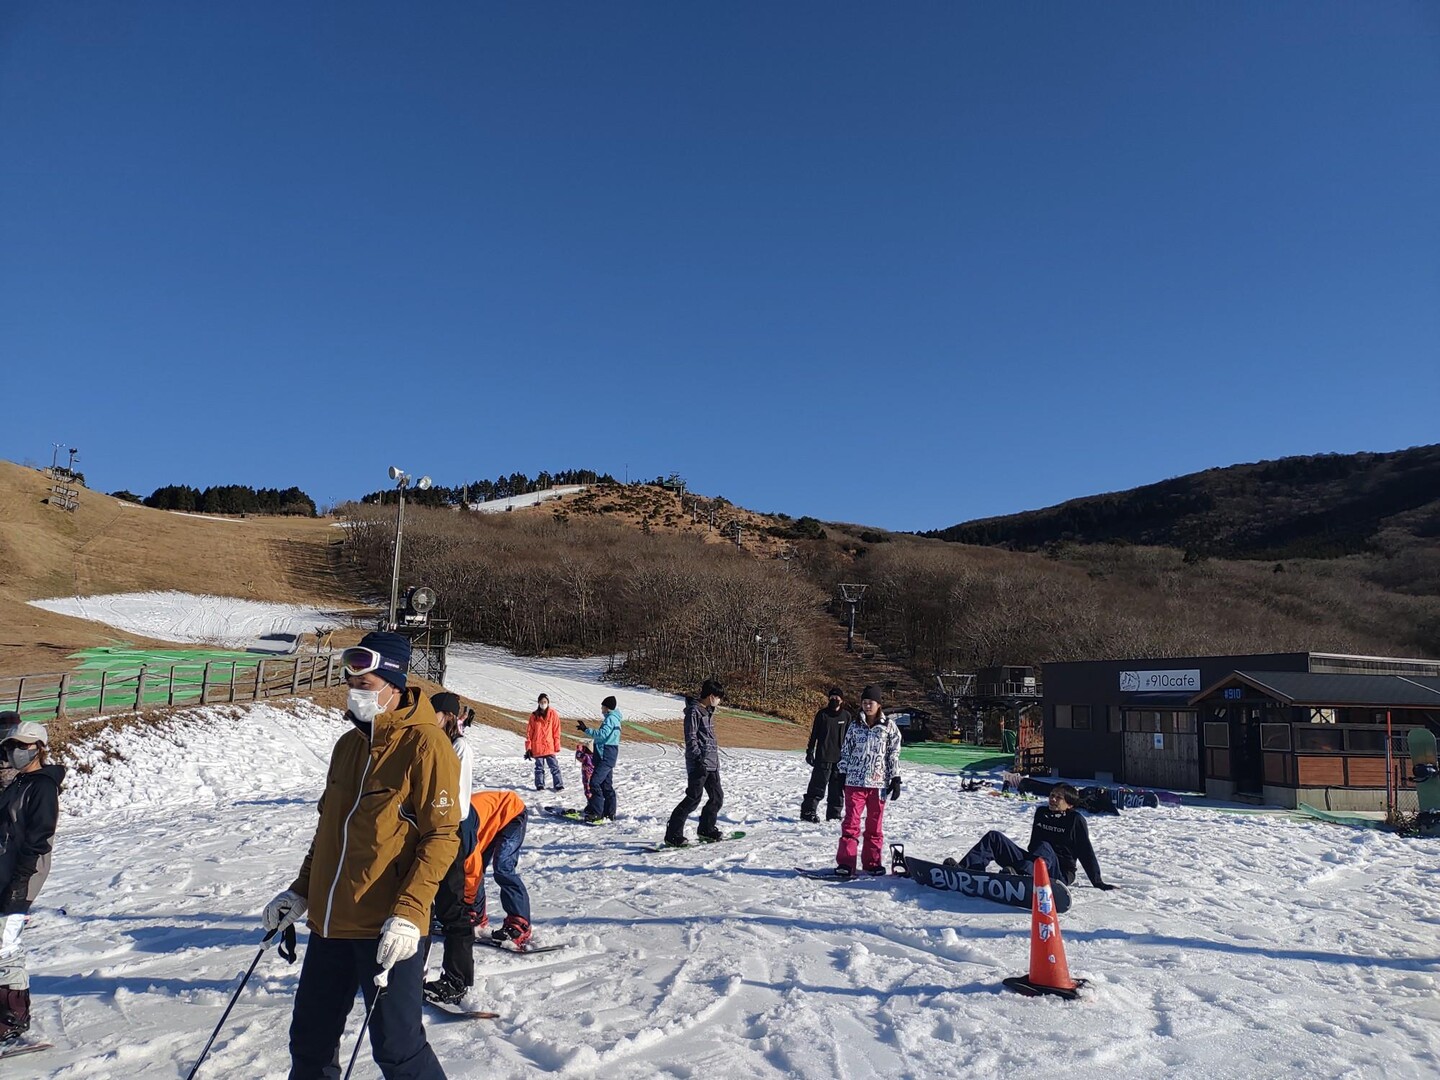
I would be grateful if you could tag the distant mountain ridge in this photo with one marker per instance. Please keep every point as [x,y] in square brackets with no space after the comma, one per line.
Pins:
[1316,506]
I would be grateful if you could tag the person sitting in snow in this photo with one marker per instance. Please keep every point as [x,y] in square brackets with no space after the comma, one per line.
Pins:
[29,811]
[1059,838]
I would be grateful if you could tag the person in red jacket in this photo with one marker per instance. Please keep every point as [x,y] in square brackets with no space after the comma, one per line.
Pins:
[542,743]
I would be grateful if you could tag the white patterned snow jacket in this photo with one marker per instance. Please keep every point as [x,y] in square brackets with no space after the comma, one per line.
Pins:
[870,756]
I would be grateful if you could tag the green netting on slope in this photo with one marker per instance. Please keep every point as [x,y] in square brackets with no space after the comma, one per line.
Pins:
[120,657]
[173,676]
[1356,819]
[959,757]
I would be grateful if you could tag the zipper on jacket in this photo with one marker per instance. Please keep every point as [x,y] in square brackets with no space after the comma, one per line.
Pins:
[344,844]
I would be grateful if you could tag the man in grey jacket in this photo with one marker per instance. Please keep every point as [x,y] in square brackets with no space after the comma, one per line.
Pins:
[702,767]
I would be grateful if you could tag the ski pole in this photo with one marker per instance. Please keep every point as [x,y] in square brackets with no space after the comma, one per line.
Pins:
[382,980]
[288,939]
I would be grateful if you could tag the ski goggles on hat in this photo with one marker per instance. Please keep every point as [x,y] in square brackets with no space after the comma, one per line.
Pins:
[358,661]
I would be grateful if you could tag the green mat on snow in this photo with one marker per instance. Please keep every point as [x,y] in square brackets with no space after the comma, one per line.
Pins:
[961,757]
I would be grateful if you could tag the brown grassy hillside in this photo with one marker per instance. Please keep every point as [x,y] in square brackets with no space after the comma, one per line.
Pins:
[108,545]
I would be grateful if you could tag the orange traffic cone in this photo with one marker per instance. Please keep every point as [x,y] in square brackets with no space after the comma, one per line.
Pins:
[1049,973]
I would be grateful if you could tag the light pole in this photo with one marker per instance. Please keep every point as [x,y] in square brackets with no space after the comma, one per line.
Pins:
[55,456]
[402,481]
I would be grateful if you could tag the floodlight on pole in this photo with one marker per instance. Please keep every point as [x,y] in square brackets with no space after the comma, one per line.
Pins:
[402,481]
[851,594]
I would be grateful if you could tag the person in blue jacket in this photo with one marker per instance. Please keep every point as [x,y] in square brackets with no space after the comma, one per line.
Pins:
[607,749]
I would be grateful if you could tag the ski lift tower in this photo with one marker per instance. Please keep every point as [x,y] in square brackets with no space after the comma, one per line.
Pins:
[851,593]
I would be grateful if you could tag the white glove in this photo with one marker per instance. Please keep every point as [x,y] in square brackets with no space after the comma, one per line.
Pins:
[285,909]
[399,939]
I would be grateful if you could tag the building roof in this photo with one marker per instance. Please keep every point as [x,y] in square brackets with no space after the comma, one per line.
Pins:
[1322,690]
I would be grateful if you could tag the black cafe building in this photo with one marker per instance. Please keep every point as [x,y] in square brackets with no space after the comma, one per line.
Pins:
[1274,728]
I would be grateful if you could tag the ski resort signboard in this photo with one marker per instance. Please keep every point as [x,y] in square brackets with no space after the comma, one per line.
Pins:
[1160,682]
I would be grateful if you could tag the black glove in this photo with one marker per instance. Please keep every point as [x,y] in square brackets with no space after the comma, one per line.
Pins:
[529,756]
[809,759]
[580,726]
[895,790]
[1103,886]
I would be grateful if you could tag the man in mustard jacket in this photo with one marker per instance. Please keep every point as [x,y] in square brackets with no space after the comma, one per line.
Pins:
[388,831]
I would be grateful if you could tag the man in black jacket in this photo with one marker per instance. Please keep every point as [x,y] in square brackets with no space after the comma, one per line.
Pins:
[702,768]
[1059,838]
[822,754]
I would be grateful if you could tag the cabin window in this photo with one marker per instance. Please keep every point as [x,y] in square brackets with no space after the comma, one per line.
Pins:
[1275,736]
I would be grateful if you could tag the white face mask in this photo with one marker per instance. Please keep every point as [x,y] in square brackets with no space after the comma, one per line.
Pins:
[364,705]
[20,757]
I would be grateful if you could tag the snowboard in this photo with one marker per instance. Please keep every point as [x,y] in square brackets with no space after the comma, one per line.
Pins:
[1102,798]
[657,848]
[505,946]
[456,1009]
[1016,890]
[17,1047]
[829,874]
[1423,762]
[577,816]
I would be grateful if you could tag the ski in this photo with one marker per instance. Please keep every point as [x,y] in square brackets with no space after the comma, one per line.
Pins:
[698,843]
[455,1009]
[505,946]
[17,1047]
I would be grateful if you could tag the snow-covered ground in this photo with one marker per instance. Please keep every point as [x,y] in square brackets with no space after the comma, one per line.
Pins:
[534,498]
[186,617]
[1235,947]
[574,685]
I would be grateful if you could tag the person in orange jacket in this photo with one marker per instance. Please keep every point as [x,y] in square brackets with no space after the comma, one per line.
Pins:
[497,846]
[542,743]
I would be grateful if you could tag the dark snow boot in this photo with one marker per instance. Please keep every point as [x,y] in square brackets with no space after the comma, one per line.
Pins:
[14,1012]
[445,990]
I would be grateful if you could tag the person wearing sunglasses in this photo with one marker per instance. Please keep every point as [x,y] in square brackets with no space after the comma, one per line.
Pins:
[388,832]
[29,812]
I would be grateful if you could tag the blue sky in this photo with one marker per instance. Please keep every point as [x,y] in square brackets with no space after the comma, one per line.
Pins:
[904,265]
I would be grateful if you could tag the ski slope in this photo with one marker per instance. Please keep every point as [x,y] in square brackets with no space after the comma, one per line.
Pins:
[1237,946]
[575,685]
[186,617]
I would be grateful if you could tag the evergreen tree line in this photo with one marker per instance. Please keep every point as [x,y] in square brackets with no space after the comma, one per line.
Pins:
[671,609]
[502,487]
[231,499]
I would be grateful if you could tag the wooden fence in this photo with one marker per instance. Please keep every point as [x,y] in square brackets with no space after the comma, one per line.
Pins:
[86,693]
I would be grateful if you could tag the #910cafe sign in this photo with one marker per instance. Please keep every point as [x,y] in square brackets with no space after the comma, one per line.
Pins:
[1160,682]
